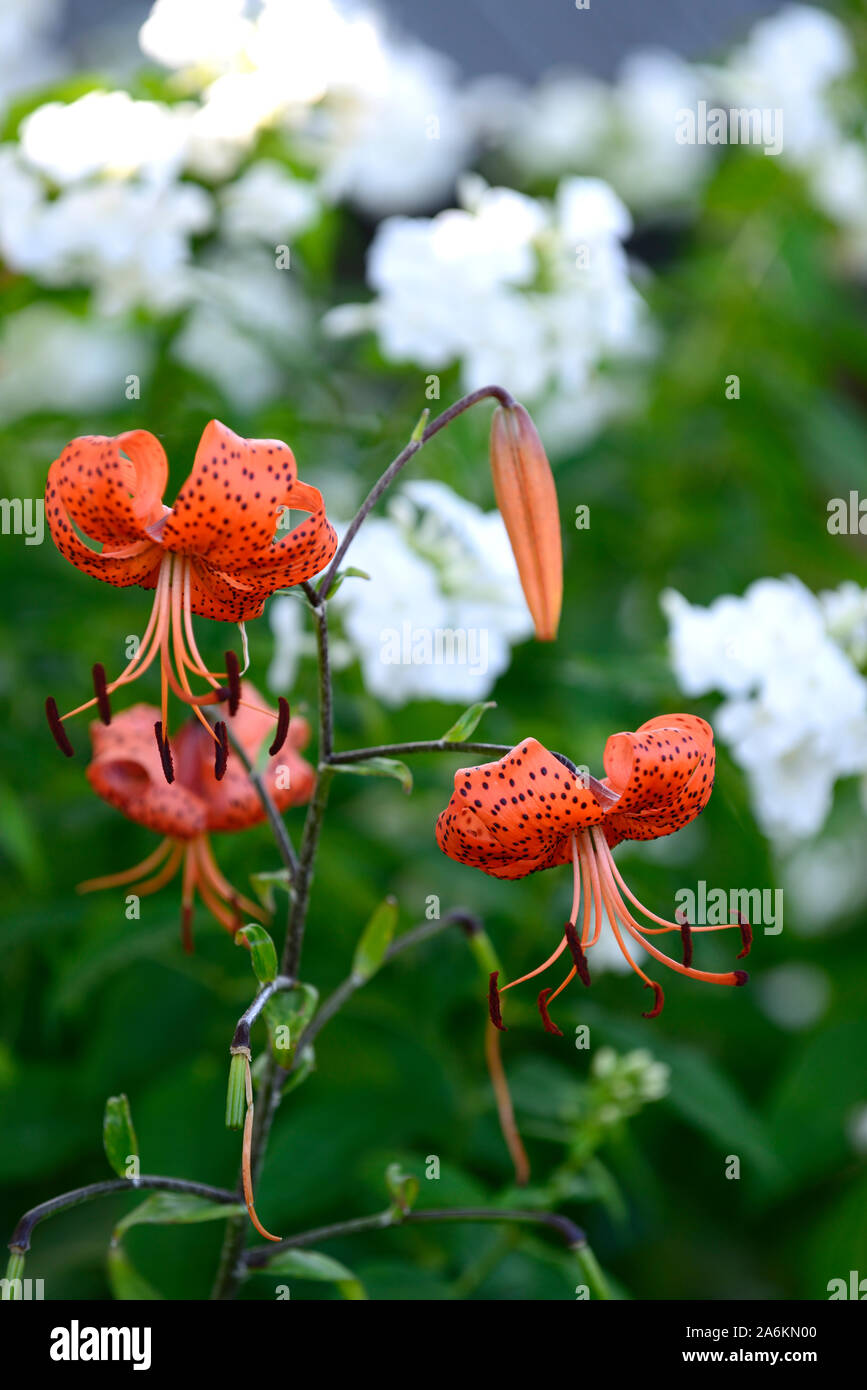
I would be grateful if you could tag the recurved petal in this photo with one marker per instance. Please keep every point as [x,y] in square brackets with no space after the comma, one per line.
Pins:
[126,772]
[527,500]
[518,814]
[664,776]
[110,490]
[229,507]
[110,487]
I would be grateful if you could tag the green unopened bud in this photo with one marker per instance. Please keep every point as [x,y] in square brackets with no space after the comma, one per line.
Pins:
[236,1095]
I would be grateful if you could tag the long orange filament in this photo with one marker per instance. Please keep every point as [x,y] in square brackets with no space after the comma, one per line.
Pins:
[599,888]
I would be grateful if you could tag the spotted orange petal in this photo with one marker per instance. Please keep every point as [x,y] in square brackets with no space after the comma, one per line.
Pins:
[512,817]
[126,771]
[663,773]
[110,490]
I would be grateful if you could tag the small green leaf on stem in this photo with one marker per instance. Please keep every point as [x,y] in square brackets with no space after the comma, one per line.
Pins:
[263,953]
[468,722]
[118,1135]
[176,1209]
[403,1189]
[265,883]
[349,573]
[418,433]
[379,767]
[286,1016]
[375,940]
[126,1282]
[308,1264]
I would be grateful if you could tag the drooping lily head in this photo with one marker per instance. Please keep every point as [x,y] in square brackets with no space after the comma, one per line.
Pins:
[127,771]
[219,552]
[533,810]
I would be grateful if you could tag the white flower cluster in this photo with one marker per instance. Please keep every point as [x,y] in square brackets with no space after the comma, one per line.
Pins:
[517,289]
[378,117]
[621,1084]
[795,716]
[442,610]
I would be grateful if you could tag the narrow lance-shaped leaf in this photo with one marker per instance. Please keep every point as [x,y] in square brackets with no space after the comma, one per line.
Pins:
[468,722]
[263,953]
[379,767]
[375,940]
[177,1209]
[118,1136]
[403,1188]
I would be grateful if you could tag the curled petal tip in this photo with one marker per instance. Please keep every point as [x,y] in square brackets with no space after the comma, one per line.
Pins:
[527,499]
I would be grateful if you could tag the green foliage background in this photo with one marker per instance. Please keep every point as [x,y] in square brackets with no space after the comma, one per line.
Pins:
[698,492]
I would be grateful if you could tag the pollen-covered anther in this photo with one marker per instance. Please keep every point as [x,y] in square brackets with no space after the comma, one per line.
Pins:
[221,752]
[100,690]
[233,672]
[746,936]
[578,955]
[56,726]
[550,1025]
[658,1000]
[284,714]
[494,1002]
[165,752]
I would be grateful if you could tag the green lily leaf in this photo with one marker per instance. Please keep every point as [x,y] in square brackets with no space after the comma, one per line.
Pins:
[118,1136]
[263,953]
[375,940]
[379,767]
[177,1208]
[468,722]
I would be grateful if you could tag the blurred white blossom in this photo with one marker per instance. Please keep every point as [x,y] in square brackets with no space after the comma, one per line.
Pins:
[533,293]
[437,565]
[105,133]
[54,360]
[794,996]
[796,714]
[267,203]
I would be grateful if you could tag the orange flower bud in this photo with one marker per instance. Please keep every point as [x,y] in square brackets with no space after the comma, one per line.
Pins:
[527,499]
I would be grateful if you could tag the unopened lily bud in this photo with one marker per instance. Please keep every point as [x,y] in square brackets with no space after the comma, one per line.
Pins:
[527,499]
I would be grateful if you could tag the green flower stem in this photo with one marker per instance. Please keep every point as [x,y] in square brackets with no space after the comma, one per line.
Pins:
[436,745]
[592,1272]
[571,1235]
[20,1240]
[417,441]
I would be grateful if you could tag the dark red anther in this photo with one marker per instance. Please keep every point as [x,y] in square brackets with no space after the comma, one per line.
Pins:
[746,937]
[165,752]
[233,671]
[283,717]
[494,1003]
[658,1000]
[550,1026]
[578,955]
[686,936]
[101,691]
[221,753]
[741,977]
[57,730]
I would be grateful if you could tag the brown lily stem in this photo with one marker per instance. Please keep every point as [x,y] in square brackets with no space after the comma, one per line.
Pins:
[505,1109]
[497,393]
[571,1235]
[436,745]
[20,1240]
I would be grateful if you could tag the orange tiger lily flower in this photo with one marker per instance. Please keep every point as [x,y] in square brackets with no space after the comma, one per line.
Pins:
[213,555]
[126,771]
[533,810]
